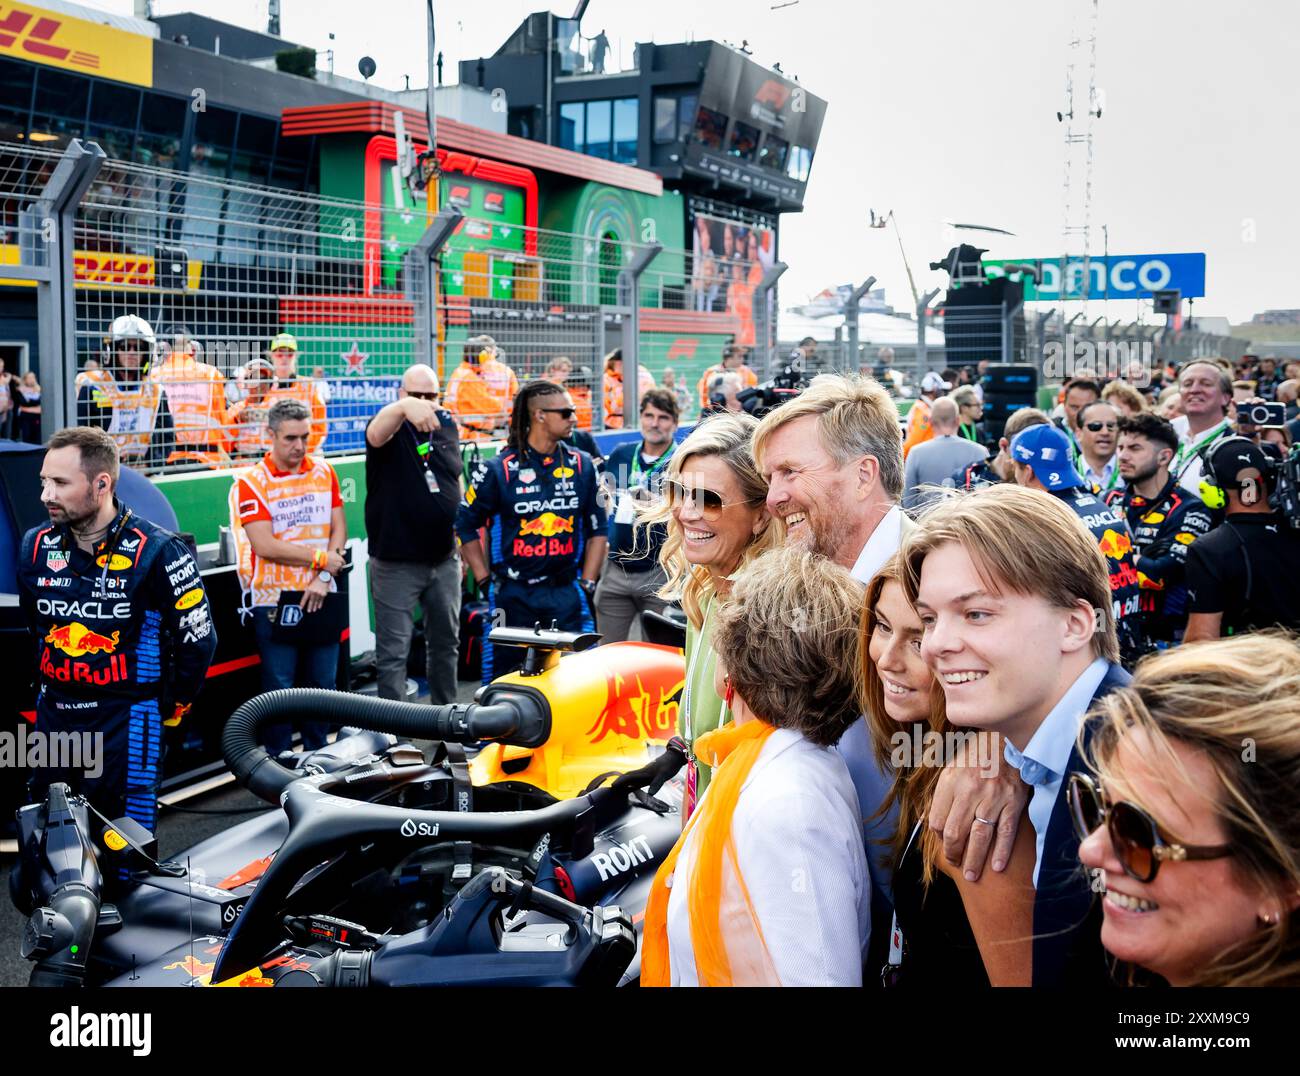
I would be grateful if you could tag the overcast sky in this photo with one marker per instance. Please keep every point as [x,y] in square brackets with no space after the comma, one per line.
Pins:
[947,110]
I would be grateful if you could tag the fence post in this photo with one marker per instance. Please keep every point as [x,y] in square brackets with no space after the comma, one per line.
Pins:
[851,319]
[629,278]
[765,315]
[1008,331]
[922,316]
[56,298]
[420,269]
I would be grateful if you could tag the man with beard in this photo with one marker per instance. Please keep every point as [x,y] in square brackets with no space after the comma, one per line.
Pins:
[833,461]
[1097,430]
[1164,520]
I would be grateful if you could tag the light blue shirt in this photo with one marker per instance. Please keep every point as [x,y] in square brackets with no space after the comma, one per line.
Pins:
[872,785]
[1046,757]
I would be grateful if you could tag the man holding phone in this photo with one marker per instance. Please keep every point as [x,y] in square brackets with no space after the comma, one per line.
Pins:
[287,517]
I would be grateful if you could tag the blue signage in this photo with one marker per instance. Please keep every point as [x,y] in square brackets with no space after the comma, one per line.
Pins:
[353,402]
[1115,276]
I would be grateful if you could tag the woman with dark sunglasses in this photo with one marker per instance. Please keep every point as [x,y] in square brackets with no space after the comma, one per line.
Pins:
[714,506]
[1193,819]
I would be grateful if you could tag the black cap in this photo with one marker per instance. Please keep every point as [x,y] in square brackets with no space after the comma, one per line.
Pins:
[1235,455]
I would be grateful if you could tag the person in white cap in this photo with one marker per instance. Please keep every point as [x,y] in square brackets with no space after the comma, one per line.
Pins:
[918,418]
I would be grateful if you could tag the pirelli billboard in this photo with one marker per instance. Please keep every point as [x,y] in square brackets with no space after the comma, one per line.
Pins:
[39,35]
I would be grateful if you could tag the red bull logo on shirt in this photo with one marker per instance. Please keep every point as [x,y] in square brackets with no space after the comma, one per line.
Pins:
[548,524]
[1115,544]
[76,640]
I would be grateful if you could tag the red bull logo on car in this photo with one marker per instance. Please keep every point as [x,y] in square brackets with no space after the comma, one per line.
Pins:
[76,640]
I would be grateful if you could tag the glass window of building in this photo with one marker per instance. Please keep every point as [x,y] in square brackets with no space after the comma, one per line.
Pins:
[665,120]
[63,95]
[115,106]
[686,105]
[773,152]
[16,82]
[800,163]
[710,128]
[599,123]
[744,141]
[573,131]
[626,113]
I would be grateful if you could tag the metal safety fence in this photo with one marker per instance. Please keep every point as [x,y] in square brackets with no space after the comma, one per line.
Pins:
[182,307]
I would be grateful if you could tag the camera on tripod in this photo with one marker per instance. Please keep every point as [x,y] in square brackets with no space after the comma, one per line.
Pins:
[785,386]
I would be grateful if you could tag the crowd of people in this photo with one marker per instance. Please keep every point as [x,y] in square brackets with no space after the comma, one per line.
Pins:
[883,778]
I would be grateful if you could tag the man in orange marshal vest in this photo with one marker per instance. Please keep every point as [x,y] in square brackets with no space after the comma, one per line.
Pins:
[290,530]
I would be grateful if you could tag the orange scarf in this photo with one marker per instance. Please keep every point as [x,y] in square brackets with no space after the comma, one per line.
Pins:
[733,749]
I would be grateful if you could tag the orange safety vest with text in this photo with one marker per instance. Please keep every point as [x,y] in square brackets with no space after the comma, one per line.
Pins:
[135,411]
[480,397]
[300,504]
[196,398]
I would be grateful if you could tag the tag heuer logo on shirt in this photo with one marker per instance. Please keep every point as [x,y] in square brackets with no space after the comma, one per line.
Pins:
[56,560]
[528,476]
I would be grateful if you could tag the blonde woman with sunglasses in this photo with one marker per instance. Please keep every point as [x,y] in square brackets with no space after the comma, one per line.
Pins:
[717,522]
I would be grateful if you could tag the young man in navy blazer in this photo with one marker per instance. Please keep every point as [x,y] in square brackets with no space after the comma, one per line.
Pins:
[1020,632]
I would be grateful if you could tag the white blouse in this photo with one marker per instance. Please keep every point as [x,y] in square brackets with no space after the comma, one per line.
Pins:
[798,836]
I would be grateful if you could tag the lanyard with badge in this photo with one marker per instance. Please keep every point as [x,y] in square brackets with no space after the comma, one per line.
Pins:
[625,512]
[1188,452]
[422,459]
[688,729]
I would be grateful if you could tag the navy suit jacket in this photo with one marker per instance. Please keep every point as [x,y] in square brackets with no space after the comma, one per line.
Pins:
[1067,913]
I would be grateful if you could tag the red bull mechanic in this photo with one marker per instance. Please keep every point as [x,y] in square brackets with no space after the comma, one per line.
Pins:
[1163,518]
[1041,459]
[544,494]
[120,623]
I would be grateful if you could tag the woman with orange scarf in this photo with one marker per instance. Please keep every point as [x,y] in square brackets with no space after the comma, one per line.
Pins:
[768,884]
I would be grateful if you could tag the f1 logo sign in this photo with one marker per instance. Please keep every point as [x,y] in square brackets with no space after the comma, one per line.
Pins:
[684,347]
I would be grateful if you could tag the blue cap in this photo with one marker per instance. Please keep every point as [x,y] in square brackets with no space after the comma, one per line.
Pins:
[1047,451]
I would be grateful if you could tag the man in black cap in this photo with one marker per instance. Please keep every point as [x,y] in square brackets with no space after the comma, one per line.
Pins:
[1241,576]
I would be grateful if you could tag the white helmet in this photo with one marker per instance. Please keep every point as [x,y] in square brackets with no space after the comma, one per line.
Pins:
[131,327]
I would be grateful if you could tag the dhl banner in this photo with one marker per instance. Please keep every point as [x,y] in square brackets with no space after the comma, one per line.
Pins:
[51,37]
[99,270]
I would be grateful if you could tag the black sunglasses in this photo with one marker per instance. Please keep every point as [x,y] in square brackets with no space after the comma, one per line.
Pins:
[1097,427]
[1139,843]
[563,412]
[431,396]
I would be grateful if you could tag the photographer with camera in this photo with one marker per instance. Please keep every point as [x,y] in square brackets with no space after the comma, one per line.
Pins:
[1241,576]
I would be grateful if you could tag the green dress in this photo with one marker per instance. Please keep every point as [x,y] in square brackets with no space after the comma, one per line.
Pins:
[701,709]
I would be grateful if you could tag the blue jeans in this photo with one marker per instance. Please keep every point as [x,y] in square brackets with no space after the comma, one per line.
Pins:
[285,666]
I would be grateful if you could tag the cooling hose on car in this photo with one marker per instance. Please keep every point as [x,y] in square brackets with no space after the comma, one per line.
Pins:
[522,719]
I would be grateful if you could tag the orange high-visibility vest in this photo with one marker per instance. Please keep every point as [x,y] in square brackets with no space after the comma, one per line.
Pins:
[196,398]
[248,427]
[480,395]
[614,396]
[748,379]
[300,504]
[918,425]
[135,411]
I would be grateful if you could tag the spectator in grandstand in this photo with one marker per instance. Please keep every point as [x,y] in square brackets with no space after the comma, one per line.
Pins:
[1076,395]
[1267,378]
[248,415]
[1197,840]
[613,387]
[990,472]
[1123,397]
[6,399]
[195,392]
[286,514]
[989,575]
[933,462]
[1098,434]
[480,390]
[634,472]
[1287,392]
[123,399]
[733,361]
[544,494]
[954,932]
[724,393]
[27,402]
[970,411]
[681,392]
[722,910]
[413,471]
[1242,575]
[1040,456]
[713,510]
[918,416]
[1163,518]
[1205,390]
[288,385]
[1170,403]
[884,363]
